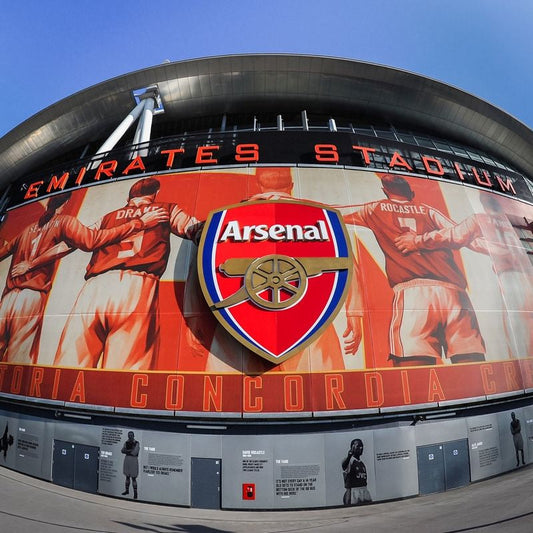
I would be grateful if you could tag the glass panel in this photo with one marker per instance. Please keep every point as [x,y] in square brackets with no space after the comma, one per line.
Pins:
[365,131]
[443,147]
[406,138]
[425,142]
[459,151]
[475,156]
[386,135]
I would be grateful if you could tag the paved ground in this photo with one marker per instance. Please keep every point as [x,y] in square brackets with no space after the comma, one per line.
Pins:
[503,504]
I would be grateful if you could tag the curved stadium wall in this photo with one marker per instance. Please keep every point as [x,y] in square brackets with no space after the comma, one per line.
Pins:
[310,279]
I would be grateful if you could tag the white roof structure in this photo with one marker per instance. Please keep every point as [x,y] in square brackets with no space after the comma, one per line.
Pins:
[269,82]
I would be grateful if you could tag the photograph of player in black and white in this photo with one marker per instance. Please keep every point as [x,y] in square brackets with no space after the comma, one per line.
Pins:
[131,450]
[518,441]
[5,442]
[355,476]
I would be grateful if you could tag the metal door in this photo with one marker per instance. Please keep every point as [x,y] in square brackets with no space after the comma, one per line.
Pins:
[456,464]
[86,467]
[63,464]
[431,476]
[205,483]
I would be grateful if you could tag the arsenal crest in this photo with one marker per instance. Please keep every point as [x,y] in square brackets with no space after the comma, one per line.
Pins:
[275,273]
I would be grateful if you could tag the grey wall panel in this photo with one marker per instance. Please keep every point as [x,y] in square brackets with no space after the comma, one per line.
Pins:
[206,445]
[78,433]
[34,443]
[484,444]
[395,463]
[299,473]
[431,432]
[287,471]
[247,460]
[164,468]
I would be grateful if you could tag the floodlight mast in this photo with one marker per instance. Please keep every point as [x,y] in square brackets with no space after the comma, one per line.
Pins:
[148,101]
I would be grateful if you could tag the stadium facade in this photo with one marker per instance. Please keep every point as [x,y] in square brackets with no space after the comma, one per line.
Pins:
[267,282]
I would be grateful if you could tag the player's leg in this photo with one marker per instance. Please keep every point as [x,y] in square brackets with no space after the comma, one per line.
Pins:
[225,353]
[134,483]
[518,313]
[326,352]
[323,354]
[133,337]
[463,337]
[5,321]
[414,329]
[26,318]
[82,339]
[126,486]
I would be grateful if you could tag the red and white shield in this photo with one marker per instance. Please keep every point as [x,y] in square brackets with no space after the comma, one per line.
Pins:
[275,273]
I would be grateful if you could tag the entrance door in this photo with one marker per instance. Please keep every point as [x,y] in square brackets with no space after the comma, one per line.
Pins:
[63,464]
[75,466]
[86,467]
[205,483]
[456,464]
[430,469]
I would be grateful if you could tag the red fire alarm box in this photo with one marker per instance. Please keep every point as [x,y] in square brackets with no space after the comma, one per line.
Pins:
[248,491]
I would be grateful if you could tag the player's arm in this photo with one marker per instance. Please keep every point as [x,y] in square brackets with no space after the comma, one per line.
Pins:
[135,450]
[52,254]
[184,225]
[346,460]
[5,250]
[76,235]
[87,239]
[467,233]
[450,236]
[355,217]
[353,334]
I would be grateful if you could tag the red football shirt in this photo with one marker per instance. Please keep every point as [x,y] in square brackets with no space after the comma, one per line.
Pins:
[147,250]
[35,240]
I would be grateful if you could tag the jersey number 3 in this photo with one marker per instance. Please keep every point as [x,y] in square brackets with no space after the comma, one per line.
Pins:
[131,246]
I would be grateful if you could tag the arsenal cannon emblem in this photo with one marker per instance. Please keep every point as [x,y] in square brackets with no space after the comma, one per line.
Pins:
[275,273]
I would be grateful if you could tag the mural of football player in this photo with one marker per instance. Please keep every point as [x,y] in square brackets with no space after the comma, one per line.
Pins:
[29,279]
[114,322]
[493,230]
[432,314]
[325,353]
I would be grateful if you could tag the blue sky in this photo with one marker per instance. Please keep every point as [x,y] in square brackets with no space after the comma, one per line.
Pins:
[54,48]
